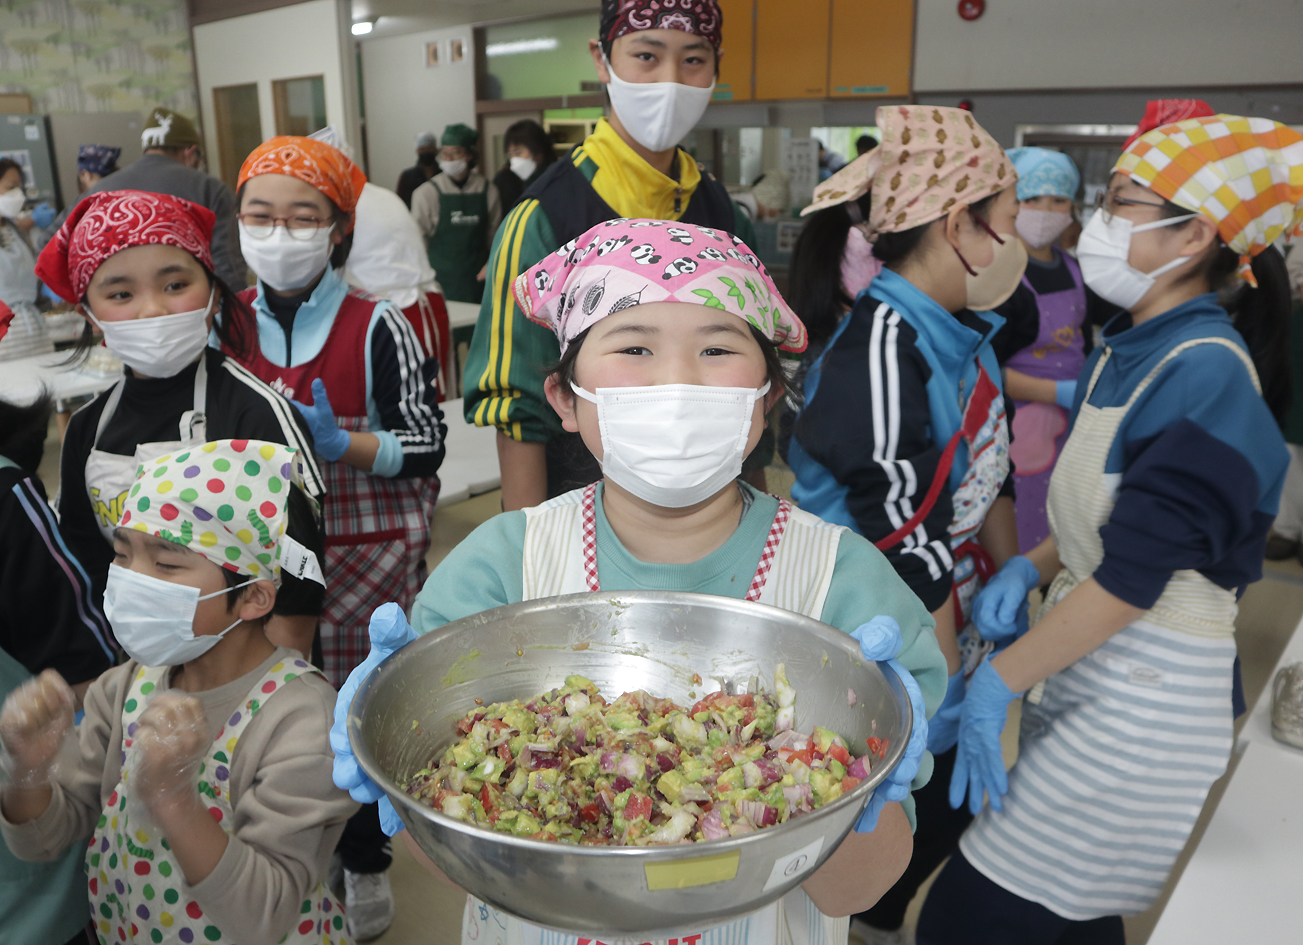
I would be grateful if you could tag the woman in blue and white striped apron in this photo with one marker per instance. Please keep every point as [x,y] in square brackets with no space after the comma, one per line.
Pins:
[1159,509]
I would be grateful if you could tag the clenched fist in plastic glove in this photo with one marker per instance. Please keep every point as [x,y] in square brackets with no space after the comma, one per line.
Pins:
[35,718]
[170,743]
[880,641]
[390,632]
[1000,608]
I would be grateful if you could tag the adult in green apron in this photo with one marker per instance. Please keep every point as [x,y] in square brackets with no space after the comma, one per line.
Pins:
[458,211]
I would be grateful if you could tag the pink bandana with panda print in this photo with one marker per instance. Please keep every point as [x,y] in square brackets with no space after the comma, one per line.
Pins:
[622,263]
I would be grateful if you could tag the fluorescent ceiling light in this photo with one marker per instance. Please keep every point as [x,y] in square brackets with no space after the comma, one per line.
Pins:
[362,28]
[516,46]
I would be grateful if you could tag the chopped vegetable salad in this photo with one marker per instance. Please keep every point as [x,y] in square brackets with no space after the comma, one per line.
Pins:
[571,767]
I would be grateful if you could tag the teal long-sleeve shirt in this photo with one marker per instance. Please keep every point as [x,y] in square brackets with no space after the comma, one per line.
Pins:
[485,571]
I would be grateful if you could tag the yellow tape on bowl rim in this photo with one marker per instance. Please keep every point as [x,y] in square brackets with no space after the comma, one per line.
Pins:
[679,874]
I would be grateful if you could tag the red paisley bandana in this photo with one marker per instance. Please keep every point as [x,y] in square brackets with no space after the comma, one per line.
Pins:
[1168,111]
[311,161]
[107,223]
[698,17]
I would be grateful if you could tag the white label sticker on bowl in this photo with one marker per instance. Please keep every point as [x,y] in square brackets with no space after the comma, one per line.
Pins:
[787,868]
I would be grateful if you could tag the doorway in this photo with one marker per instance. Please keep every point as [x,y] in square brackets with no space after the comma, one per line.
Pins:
[300,105]
[239,127]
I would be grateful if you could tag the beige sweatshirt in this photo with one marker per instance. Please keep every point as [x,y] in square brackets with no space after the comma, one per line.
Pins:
[425,201]
[288,814]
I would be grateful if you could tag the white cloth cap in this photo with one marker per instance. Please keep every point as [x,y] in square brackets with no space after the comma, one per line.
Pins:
[388,258]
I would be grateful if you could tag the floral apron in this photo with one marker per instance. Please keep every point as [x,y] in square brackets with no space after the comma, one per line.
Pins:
[137,890]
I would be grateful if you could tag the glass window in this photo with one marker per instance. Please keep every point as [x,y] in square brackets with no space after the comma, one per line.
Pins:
[300,105]
[239,127]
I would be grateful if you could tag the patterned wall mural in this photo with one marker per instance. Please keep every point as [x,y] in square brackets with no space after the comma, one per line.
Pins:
[97,55]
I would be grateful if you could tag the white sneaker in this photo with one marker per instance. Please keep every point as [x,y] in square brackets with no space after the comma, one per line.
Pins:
[368,904]
[868,935]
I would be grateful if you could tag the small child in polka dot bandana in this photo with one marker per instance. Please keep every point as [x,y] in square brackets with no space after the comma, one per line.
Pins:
[197,843]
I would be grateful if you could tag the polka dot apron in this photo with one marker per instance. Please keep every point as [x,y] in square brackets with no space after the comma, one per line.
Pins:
[137,890]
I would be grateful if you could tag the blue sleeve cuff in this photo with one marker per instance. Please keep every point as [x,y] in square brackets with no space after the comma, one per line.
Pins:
[389,457]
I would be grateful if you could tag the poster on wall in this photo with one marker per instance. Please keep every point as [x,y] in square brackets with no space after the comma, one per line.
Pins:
[801,161]
[456,50]
[431,54]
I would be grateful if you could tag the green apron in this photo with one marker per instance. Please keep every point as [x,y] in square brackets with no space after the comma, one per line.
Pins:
[40,903]
[460,246]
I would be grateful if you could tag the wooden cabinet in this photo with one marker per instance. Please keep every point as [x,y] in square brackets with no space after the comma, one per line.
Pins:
[735,72]
[791,48]
[871,46]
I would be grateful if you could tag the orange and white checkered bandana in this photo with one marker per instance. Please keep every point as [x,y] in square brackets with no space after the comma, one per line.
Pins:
[1246,174]
[311,161]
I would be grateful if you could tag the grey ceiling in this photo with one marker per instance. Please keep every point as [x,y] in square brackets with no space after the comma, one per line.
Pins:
[402,16]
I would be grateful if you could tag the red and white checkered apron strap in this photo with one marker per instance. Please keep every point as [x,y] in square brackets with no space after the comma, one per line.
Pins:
[771,549]
[590,537]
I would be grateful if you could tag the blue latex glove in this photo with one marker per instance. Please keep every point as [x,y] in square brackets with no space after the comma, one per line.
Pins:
[979,766]
[1064,393]
[880,641]
[43,215]
[943,728]
[389,632]
[331,442]
[1000,608]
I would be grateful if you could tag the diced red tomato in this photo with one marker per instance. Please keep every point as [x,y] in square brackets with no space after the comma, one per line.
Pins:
[718,702]
[840,754]
[504,752]
[878,746]
[590,813]
[489,801]
[498,725]
[849,784]
[805,756]
[639,807]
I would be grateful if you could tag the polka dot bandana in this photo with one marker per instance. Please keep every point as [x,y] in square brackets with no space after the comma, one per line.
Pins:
[931,159]
[226,500]
[311,161]
[622,263]
[1246,174]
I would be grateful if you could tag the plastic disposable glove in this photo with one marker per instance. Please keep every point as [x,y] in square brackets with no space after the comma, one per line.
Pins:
[1064,393]
[331,442]
[43,215]
[1000,608]
[390,632]
[979,766]
[880,640]
[33,722]
[170,742]
[943,727]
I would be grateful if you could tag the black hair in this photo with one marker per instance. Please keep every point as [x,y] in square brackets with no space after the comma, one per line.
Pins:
[864,144]
[233,580]
[895,248]
[816,292]
[7,165]
[564,370]
[1260,315]
[530,134]
[23,429]
[234,324]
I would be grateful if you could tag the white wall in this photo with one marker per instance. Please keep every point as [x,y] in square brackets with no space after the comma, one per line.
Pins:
[405,97]
[312,38]
[1058,44]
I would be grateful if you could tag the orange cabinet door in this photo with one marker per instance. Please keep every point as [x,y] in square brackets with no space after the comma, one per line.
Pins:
[734,82]
[792,48]
[871,48]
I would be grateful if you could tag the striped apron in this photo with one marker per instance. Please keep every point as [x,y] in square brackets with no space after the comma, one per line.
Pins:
[795,572]
[1116,752]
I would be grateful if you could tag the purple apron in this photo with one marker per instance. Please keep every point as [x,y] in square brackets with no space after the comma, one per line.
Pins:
[1040,430]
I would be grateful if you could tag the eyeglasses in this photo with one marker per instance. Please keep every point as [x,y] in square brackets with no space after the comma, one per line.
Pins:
[1108,203]
[300,227]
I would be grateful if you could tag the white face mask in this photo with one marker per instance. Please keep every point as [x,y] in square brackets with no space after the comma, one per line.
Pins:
[673,445]
[283,262]
[523,167]
[453,168]
[1040,228]
[658,115]
[1103,250]
[11,203]
[162,346]
[154,619]
[993,284]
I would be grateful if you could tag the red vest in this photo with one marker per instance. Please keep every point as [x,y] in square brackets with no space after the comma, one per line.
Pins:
[341,362]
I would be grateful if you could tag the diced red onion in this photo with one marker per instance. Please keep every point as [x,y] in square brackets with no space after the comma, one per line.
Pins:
[757,812]
[664,762]
[607,762]
[797,795]
[621,784]
[859,768]
[547,763]
[789,739]
[631,766]
[712,826]
[851,698]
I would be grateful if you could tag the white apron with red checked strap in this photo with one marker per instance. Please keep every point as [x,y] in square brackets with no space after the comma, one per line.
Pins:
[137,891]
[377,533]
[794,572]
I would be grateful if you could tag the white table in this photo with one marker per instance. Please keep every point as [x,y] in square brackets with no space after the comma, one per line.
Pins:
[470,465]
[462,314]
[21,379]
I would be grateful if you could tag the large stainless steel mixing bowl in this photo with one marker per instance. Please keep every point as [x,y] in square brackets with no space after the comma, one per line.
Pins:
[405,712]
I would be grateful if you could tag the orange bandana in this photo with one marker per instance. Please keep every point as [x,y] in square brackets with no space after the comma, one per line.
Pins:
[312,162]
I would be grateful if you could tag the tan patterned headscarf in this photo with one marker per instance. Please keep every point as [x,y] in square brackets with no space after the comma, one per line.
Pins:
[932,158]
